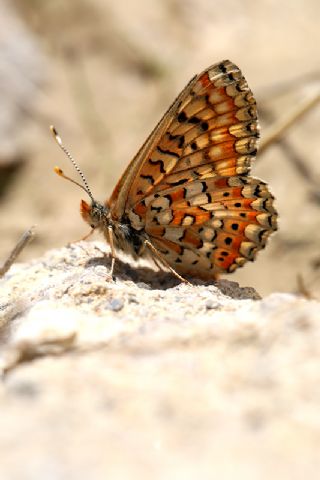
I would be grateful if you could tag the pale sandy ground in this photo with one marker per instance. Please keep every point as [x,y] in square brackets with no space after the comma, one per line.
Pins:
[146,379]
[114,67]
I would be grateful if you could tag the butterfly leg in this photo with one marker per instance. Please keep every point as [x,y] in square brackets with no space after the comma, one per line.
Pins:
[113,251]
[85,237]
[162,261]
[156,262]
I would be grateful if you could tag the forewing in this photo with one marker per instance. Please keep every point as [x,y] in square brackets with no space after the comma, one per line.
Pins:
[214,131]
[121,199]
[214,118]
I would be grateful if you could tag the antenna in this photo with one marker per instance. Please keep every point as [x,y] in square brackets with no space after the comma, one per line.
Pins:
[68,154]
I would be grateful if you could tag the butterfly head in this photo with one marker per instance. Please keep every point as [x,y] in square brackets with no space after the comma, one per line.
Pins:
[96,214]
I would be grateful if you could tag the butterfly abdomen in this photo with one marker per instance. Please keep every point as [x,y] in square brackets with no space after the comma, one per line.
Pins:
[128,239]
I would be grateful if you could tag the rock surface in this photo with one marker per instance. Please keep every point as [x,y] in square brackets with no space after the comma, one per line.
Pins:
[143,377]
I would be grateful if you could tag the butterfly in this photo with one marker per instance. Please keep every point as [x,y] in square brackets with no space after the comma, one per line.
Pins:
[187,199]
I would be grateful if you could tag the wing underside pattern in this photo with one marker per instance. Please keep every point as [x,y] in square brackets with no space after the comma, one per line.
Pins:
[192,193]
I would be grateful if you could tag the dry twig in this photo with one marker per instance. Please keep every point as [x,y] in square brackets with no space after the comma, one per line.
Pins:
[21,244]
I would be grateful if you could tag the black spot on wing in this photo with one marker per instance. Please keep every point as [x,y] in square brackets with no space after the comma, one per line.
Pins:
[149,178]
[181,141]
[182,117]
[179,182]
[158,162]
[194,120]
[168,152]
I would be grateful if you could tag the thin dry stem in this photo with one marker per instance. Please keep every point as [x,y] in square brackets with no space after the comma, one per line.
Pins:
[27,236]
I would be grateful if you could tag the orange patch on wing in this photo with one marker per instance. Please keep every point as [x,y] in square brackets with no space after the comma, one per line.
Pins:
[199,215]
[205,80]
[251,216]
[222,241]
[229,224]
[178,216]
[226,149]
[140,209]
[223,261]
[170,245]
[221,182]
[177,195]
[202,217]
[192,238]
[155,230]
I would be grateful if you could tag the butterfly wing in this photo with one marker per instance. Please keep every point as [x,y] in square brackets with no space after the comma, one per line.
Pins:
[215,230]
[189,186]
[121,199]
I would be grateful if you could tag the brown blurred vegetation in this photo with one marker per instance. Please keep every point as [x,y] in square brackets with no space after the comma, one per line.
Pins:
[107,70]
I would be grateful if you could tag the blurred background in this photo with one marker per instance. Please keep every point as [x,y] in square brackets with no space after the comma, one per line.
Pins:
[104,72]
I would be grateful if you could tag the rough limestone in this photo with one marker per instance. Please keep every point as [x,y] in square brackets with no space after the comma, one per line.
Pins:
[143,377]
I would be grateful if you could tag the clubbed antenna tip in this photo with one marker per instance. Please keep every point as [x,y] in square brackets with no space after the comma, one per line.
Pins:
[56,135]
[68,154]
